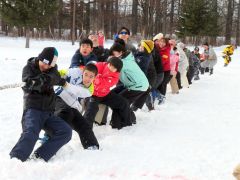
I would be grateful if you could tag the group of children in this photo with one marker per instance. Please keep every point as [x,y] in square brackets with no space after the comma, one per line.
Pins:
[122,78]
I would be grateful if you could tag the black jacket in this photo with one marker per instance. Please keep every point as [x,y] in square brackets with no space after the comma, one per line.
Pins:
[38,88]
[101,53]
[157,60]
[151,73]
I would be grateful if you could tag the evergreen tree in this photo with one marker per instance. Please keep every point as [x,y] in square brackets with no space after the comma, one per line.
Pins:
[196,18]
[212,27]
[28,13]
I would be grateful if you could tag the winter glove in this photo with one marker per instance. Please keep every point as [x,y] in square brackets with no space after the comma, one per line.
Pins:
[40,84]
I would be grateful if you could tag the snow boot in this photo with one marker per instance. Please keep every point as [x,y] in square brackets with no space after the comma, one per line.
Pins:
[210,71]
[207,69]
[196,78]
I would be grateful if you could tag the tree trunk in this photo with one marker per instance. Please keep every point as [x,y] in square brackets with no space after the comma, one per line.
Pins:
[27,45]
[134,17]
[87,18]
[60,19]
[171,16]
[229,22]
[157,24]
[237,29]
[73,21]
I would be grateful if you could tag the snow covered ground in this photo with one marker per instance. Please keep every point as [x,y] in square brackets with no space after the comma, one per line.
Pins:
[193,136]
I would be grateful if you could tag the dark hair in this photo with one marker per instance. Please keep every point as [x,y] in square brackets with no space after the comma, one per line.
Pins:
[86,41]
[124,28]
[119,46]
[205,44]
[91,67]
[116,62]
[166,40]
[196,48]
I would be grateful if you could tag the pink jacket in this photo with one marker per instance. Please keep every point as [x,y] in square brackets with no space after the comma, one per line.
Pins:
[174,58]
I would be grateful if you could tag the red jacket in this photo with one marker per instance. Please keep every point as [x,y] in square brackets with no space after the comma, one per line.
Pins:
[165,55]
[105,80]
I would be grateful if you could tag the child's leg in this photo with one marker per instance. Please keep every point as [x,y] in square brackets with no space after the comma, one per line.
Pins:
[120,107]
[62,133]
[32,123]
[91,110]
[84,130]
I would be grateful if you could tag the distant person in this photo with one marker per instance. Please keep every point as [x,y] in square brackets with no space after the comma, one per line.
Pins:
[101,38]
[40,75]
[227,53]
[210,59]
[124,34]
[101,53]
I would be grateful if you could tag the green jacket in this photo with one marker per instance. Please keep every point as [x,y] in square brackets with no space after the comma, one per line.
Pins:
[132,76]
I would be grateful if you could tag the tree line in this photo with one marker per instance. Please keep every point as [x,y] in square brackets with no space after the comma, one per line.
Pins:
[190,20]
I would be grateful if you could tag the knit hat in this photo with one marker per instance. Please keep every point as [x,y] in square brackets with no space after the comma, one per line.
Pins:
[49,56]
[148,45]
[158,36]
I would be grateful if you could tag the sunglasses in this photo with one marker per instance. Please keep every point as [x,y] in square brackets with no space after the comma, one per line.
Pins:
[123,33]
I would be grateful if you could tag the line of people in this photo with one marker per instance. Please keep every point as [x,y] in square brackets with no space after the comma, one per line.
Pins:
[122,78]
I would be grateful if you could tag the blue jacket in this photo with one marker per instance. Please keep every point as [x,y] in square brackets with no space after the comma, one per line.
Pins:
[143,60]
[79,60]
[132,77]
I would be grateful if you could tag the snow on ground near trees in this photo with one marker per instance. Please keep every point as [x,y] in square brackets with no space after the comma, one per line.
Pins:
[193,136]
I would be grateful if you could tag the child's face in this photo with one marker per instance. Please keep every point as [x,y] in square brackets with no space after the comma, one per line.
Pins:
[162,43]
[112,68]
[141,48]
[205,47]
[44,67]
[88,77]
[117,54]
[85,49]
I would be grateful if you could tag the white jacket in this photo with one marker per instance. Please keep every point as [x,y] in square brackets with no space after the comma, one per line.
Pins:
[183,60]
[74,91]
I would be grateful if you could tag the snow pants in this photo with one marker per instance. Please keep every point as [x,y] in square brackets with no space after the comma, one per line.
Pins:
[163,86]
[75,119]
[118,104]
[174,84]
[33,122]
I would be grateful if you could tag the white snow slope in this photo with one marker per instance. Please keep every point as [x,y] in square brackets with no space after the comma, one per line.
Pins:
[193,136]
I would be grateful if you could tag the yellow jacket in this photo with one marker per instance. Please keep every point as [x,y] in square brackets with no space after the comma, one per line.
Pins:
[228,50]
